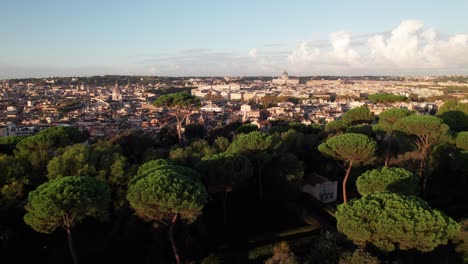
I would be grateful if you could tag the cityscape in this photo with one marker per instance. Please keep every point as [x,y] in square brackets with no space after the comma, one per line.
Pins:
[244,132]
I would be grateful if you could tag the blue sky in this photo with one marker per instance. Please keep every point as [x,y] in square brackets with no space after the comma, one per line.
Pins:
[74,38]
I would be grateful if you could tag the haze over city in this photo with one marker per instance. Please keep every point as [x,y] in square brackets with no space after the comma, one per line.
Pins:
[241,38]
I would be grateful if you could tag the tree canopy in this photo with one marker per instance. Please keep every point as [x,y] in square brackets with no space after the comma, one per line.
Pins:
[336,126]
[69,199]
[350,147]
[426,132]
[225,169]
[386,98]
[455,114]
[386,179]
[358,115]
[177,100]
[390,221]
[461,140]
[160,195]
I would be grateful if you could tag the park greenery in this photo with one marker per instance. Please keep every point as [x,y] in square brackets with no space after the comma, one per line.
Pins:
[232,194]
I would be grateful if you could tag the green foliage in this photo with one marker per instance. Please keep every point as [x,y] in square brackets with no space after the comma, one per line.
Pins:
[359,256]
[246,128]
[160,195]
[336,126]
[177,100]
[324,250]
[358,115]
[221,144]
[73,161]
[163,165]
[390,221]
[306,129]
[389,117]
[76,197]
[461,241]
[454,114]
[351,147]
[39,149]
[426,130]
[225,169]
[109,163]
[8,144]
[254,142]
[282,254]
[192,154]
[360,129]
[212,259]
[386,98]
[462,140]
[396,180]
[14,179]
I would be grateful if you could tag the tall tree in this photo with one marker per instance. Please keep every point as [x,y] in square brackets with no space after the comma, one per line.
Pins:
[180,105]
[391,221]
[223,172]
[353,149]
[386,125]
[65,202]
[426,132]
[257,146]
[164,197]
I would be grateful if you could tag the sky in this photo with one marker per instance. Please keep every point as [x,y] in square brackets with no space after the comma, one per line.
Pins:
[232,38]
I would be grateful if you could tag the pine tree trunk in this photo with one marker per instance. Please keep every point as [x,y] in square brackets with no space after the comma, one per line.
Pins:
[179,132]
[70,246]
[389,149]
[172,239]
[421,173]
[345,197]
[260,182]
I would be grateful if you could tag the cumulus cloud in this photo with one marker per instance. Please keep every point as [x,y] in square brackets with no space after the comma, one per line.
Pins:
[408,49]
[253,53]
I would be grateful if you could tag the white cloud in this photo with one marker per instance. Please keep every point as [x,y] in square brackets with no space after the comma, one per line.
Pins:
[253,53]
[408,49]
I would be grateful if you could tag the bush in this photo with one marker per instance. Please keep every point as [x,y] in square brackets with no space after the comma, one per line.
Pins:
[359,256]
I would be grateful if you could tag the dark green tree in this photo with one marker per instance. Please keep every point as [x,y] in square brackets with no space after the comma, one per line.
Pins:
[336,126]
[426,132]
[386,179]
[358,115]
[353,149]
[461,140]
[163,197]
[73,161]
[180,105]
[391,221]
[246,128]
[65,202]
[257,146]
[386,126]
[223,172]
[455,114]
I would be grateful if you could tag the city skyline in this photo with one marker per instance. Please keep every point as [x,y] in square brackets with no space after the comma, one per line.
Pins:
[220,38]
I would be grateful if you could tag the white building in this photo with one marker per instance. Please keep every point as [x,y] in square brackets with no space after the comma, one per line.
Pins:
[321,188]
